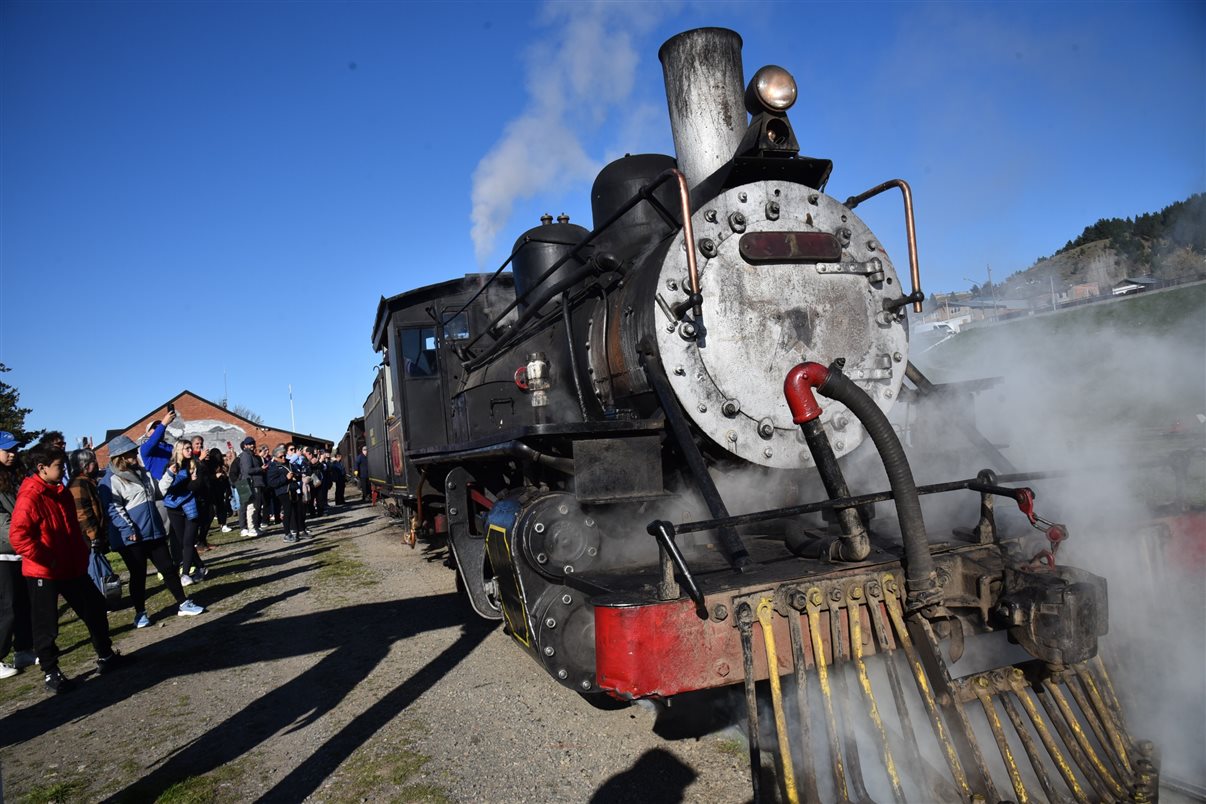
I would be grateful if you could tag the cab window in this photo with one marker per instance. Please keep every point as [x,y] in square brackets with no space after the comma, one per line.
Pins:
[419,352]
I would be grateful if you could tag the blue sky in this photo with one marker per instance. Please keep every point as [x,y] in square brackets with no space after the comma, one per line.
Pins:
[214,196]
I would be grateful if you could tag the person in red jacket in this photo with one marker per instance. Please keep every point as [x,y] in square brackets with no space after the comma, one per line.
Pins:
[45,532]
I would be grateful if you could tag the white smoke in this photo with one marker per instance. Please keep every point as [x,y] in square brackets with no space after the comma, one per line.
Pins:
[1113,392]
[580,81]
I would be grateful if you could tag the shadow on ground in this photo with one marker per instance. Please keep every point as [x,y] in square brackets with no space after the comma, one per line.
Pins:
[352,641]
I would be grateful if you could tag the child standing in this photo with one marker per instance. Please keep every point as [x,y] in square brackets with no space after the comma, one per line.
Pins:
[45,532]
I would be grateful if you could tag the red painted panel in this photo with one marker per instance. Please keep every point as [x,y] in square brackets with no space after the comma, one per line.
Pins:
[663,649]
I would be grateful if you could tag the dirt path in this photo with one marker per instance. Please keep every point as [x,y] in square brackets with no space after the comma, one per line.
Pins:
[340,669]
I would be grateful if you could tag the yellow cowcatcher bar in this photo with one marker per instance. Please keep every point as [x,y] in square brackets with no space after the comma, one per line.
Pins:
[814,599]
[853,611]
[766,617]
[923,686]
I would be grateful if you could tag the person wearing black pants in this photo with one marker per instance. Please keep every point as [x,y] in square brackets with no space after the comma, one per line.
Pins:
[281,481]
[341,477]
[190,560]
[15,630]
[156,552]
[183,480]
[128,492]
[362,473]
[46,533]
[85,600]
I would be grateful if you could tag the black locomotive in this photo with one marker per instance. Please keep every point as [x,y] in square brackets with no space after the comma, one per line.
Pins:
[582,428]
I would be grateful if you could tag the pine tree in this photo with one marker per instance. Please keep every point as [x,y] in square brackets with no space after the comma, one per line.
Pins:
[12,415]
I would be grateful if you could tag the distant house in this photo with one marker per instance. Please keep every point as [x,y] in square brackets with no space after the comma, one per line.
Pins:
[1134,285]
[196,415]
[1084,290]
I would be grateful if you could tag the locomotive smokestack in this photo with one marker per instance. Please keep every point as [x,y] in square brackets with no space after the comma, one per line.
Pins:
[705,88]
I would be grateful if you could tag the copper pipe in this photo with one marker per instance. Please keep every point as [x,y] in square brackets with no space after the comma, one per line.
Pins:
[910,231]
[684,197]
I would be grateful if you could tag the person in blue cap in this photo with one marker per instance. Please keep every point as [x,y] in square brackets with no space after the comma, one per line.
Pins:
[16,630]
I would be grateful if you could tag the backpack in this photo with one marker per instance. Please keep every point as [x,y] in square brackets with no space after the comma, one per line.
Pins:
[235,472]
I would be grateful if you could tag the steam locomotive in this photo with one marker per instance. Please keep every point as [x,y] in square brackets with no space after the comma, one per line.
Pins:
[582,427]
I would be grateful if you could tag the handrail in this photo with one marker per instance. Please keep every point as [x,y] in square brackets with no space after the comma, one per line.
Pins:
[910,231]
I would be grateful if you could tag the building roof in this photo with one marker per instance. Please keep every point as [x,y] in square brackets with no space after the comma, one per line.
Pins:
[251,426]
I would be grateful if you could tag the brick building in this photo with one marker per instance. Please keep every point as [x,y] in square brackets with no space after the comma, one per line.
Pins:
[217,425]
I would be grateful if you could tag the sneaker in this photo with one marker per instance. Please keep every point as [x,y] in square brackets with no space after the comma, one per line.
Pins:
[112,662]
[291,538]
[58,683]
[7,670]
[252,532]
[188,609]
[186,580]
[244,532]
[24,658]
[307,533]
[200,574]
[142,620]
[226,528]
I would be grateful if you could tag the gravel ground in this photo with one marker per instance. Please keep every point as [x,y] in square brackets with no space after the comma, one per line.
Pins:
[343,668]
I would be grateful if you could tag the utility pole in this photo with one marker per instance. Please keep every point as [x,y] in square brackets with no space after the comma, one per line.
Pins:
[1053,307]
[992,294]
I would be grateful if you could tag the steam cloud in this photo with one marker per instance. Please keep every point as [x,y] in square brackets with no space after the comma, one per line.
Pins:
[583,78]
[1068,402]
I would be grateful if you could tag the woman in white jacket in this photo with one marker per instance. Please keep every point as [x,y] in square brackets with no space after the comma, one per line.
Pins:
[132,510]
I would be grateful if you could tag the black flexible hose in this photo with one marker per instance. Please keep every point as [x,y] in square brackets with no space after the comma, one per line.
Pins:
[919,565]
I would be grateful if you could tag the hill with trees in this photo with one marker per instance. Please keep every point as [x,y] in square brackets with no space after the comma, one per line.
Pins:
[1169,246]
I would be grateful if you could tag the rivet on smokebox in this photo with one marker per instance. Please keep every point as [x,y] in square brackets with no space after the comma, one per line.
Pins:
[566,599]
[710,217]
[453,512]
[585,684]
[549,650]
[563,509]
[768,453]
[538,527]
[702,408]
[562,674]
[550,623]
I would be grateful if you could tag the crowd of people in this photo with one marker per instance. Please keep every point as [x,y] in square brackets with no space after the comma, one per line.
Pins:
[155,503]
